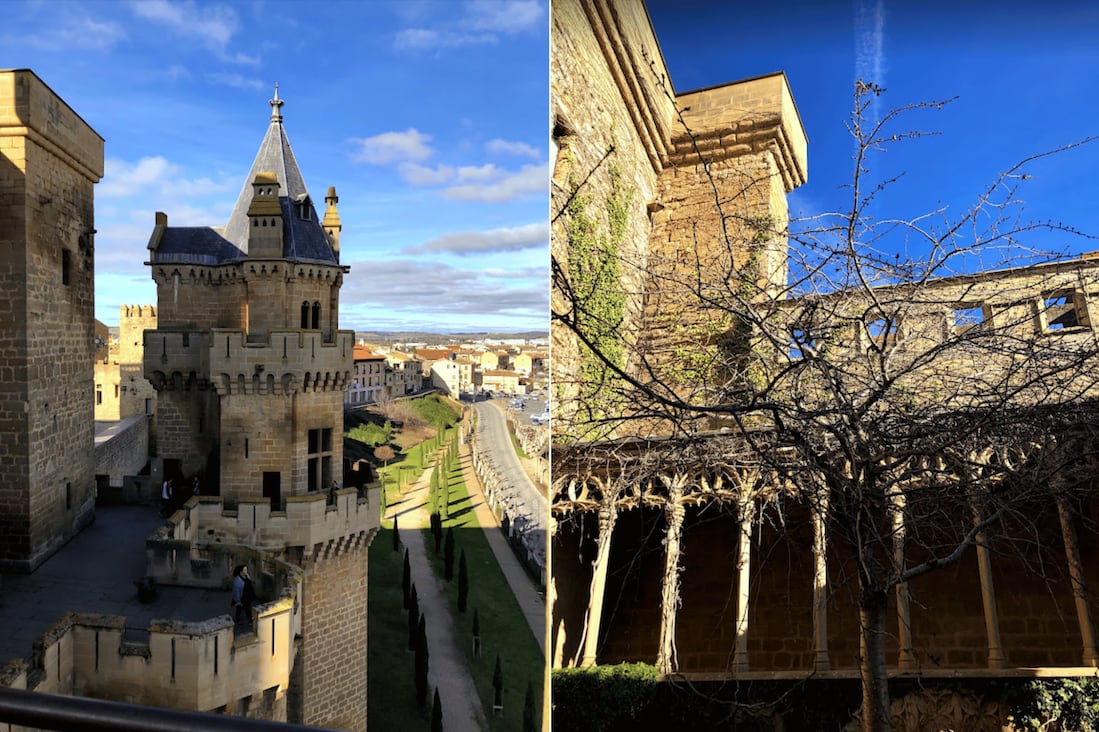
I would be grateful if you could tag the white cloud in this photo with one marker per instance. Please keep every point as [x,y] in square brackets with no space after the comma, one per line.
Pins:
[212,25]
[215,24]
[154,176]
[178,71]
[422,38]
[507,147]
[487,171]
[514,16]
[506,239]
[393,147]
[235,81]
[79,33]
[530,180]
[423,175]
[481,22]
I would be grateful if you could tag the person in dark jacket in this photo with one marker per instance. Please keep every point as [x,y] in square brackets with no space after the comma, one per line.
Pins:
[244,594]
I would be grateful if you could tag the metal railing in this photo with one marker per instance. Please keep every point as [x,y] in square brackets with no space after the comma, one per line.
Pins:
[79,714]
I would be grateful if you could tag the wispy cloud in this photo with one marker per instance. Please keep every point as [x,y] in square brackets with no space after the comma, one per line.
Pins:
[506,239]
[212,25]
[78,33]
[481,22]
[152,176]
[233,80]
[870,63]
[507,147]
[393,147]
[529,180]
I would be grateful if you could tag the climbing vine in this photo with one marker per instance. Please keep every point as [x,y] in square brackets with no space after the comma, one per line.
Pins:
[595,242]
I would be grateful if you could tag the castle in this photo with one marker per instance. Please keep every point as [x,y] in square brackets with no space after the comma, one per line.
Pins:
[249,368]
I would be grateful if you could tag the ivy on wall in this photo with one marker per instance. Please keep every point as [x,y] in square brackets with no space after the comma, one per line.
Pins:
[595,271]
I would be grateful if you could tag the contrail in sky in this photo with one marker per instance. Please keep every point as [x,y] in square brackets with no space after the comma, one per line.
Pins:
[870,44]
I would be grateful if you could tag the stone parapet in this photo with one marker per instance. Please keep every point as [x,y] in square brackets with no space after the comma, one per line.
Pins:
[308,521]
[284,362]
[29,109]
[739,118]
[202,666]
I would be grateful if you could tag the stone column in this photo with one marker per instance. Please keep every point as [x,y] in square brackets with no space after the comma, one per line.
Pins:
[747,509]
[988,599]
[669,596]
[607,516]
[820,585]
[1079,585]
[906,659]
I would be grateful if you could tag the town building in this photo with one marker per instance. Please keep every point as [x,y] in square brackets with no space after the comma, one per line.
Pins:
[121,389]
[50,159]
[368,381]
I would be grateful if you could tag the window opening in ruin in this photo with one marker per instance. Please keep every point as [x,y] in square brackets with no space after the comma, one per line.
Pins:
[1061,311]
[319,449]
[116,391]
[304,315]
[215,655]
[98,394]
[316,316]
[803,343]
[66,266]
[246,448]
[148,406]
[882,332]
[967,315]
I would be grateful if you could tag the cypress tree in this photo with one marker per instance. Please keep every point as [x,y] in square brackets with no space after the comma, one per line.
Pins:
[437,713]
[437,530]
[421,664]
[530,711]
[498,684]
[413,615]
[406,581]
[396,535]
[448,555]
[463,583]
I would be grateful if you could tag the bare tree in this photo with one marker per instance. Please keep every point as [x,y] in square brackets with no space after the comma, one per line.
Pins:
[919,383]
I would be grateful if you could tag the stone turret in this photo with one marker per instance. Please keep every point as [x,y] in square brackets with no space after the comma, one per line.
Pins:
[332,225]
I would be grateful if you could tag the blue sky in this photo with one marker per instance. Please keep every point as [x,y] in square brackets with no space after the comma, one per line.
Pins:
[428,117]
[1026,78]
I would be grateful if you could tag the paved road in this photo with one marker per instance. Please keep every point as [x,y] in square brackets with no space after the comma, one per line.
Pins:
[493,437]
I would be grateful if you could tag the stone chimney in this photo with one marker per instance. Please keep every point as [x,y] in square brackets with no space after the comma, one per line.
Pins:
[265,218]
[332,225]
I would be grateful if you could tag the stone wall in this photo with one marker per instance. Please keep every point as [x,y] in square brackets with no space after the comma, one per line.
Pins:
[49,161]
[122,449]
[203,666]
[333,635]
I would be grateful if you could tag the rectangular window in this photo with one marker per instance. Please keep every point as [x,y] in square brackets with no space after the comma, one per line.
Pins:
[1062,310]
[803,343]
[116,391]
[882,332]
[98,394]
[148,406]
[967,315]
[66,266]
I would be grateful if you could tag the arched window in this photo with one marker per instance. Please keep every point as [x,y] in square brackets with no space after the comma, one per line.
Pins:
[304,315]
[316,315]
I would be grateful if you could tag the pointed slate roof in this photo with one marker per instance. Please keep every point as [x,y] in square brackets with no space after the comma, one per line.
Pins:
[303,233]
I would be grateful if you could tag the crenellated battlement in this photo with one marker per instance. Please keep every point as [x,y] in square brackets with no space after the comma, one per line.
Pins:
[308,521]
[285,362]
[186,665]
[137,312]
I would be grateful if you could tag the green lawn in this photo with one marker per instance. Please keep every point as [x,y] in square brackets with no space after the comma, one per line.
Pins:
[504,630]
[391,695]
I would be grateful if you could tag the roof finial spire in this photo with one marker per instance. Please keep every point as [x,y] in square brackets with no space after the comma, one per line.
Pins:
[276,106]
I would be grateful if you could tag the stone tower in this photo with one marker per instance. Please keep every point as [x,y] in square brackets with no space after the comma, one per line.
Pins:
[250,370]
[49,161]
